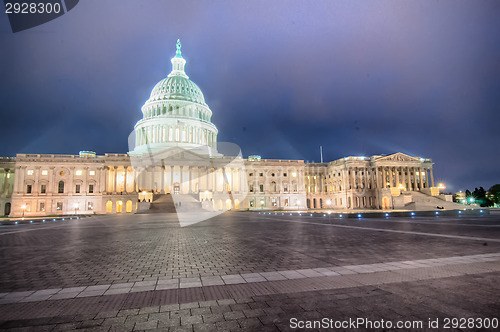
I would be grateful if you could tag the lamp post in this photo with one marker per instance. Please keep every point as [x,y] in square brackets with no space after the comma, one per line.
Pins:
[298,203]
[24,208]
[329,203]
[76,207]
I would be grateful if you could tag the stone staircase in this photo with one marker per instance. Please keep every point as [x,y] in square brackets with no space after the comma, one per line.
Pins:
[186,202]
[167,203]
[160,204]
[423,201]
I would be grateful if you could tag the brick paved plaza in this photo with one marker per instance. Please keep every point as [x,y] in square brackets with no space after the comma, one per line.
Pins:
[246,271]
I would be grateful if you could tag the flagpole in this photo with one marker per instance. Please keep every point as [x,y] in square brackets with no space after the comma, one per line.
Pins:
[321,153]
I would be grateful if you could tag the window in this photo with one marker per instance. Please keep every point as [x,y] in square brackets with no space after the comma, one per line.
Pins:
[90,206]
[78,172]
[61,173]
[43,189]
[59,206]
[28,189]
[45,172]
[77,189]
[251,174]
[261,174]
[251,188]
[30,172]
[284,174]
[60,187]
[42,206]
[91,188]
[92,173]
[251,203]
[261,188]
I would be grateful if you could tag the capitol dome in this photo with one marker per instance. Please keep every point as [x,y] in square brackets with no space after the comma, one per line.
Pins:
[175,115]
[177,88]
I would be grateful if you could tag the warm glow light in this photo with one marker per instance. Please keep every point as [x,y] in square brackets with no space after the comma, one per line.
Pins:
[75,205]
[329,202]
[30,172]
[45,172]
[92,173]
[401,187]
[441,186]
[78,172]
[294,174]
[23,206]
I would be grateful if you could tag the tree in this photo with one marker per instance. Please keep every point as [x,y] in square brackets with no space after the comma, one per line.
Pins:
[480,197]
[494,193]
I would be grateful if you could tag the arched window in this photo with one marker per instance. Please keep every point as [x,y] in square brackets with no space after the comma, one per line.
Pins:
[109,207]
[60,188]
[128,207]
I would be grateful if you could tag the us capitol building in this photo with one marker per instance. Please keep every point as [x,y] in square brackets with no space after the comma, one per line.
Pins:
[174,153]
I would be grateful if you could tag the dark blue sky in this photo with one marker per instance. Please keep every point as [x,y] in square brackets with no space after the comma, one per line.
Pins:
[281,77]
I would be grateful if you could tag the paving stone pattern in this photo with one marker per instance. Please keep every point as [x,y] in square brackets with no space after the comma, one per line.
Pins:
[244,271]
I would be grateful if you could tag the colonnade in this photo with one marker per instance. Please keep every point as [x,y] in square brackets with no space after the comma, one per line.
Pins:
[316,180]
[177,179]
[406,177]
[180,134]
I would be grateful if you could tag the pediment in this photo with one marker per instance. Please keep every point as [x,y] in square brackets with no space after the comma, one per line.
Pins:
[398,157]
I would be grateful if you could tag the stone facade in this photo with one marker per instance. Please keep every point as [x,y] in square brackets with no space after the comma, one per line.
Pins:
[34,184]
[174,150]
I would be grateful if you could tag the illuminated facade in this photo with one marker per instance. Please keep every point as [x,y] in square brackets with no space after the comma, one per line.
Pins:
[174,150]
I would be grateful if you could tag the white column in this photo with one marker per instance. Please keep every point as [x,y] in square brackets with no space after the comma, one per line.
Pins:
[125,179]
[36,187]
[162,182]
[134,182]
[420,171]
[391,180]
[85,188]
[116,179]
[171,179]
[4,190]
[153,187]
[50,185]
[181,189]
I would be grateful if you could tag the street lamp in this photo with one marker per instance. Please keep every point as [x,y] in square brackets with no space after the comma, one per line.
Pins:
[24,208]
[329,203]
[298,203]
[76,207]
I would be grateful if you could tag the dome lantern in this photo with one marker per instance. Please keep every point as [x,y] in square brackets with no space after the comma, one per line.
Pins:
[178,63]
